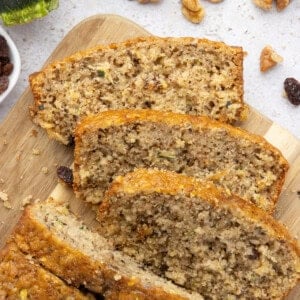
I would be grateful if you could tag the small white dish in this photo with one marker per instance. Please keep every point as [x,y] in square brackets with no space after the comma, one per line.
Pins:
[15,60]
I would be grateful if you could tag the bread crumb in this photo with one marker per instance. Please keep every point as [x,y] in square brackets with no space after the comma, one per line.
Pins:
[5,142]
[19,155]
[26,201]
[36,151]
[3,196]
[45,170]
[269,58]
[1,180]
[34,133]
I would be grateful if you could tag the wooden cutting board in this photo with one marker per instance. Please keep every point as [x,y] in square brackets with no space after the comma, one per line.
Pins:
[28,159]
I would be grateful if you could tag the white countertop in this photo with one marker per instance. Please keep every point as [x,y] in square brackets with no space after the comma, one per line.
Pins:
[236,22]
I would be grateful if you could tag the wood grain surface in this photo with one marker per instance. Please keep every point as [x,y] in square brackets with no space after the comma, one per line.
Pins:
[28,159]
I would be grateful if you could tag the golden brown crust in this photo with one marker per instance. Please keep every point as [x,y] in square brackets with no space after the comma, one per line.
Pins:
[120,117]
[166,182]
[22,278]
[36,79]
[75,267]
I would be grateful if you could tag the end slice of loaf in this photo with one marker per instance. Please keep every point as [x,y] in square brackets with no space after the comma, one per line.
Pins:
[186,75]
[116,142]
[199,237]
[65,246]
[21,278]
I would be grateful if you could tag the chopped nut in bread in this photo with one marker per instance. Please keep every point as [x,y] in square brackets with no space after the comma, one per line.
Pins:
[269,58]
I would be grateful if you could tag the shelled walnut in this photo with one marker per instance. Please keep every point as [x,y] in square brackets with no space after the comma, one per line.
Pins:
[192,10]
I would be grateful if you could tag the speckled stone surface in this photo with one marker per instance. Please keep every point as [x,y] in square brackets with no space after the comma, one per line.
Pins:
[236,22]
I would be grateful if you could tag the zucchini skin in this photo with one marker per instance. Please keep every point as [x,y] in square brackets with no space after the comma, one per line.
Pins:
[33,10]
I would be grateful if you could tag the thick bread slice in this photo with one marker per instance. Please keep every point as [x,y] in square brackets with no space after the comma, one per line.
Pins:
[65,246]
[21,278]
[199,237]
[186,75]
[115,142]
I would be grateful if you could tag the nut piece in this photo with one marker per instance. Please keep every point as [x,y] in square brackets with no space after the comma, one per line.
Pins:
[282,4]
[264,4]
[192,10]
[292,89]
[192,5]
[269,58]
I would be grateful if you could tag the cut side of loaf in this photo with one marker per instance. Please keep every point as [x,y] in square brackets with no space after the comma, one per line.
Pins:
[22,278]
[186,75]
[199,237]
[116,142]
[66,247]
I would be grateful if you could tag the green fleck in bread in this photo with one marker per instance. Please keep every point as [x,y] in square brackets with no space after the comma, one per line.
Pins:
[66,247]
[186,75]
[116,142]
[22,278]
[199,237]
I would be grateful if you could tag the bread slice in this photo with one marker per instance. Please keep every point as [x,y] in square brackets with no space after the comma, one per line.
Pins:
[199,237]
[115,142]
[187,75]
[65,246]
[21,278]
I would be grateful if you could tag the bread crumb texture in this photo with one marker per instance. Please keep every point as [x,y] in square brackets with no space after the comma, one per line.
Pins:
[65,246]
[115,142]
[198,237]
[186,75]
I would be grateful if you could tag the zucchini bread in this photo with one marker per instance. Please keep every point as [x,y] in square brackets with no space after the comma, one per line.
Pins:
[199,237]
[186,75]
[65,246]
[116,142]
[21,278]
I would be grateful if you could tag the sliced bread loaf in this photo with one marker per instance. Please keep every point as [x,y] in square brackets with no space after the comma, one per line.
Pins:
[115,142]
[186,75]
[199,237]
[65,246]
[21,278]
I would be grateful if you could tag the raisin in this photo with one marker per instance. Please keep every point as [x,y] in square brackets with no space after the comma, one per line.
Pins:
[3,84]
[7,69]
[65,174]
[4,51]
[292,89]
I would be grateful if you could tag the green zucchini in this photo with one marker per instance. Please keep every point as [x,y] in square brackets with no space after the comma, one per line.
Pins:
[15,12]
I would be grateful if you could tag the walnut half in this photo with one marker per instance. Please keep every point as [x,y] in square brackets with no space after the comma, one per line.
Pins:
[269,58]
[192,10]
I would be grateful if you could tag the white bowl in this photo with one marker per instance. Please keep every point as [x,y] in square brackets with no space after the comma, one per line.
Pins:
[15,60]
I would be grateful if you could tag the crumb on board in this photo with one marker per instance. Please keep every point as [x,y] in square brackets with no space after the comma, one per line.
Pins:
[1,180]
[33,133]
[18,156]
[45,170]
[5,142]
[4,197]
[26,201]
[36,151]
